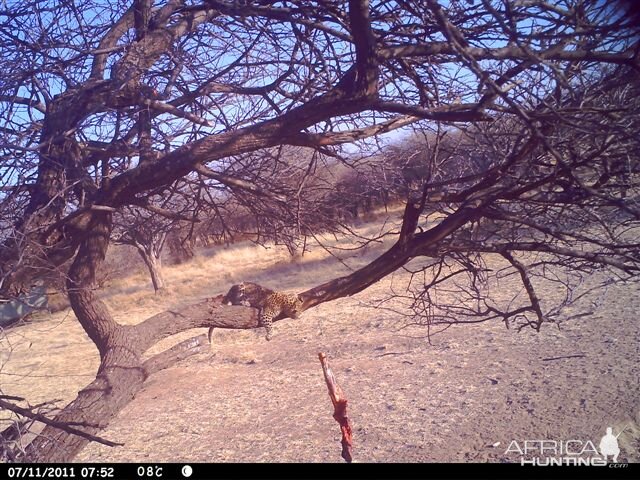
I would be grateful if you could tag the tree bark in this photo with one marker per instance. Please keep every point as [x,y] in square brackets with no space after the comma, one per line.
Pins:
[120,374]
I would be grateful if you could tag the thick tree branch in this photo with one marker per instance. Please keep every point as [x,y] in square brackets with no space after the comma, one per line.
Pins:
[170,357]
[407,247]
[469,112]
[367,71]
[146,51]
[124,23]
[207,313]
[626,57]
[24,101]
[168,108]
[348,136]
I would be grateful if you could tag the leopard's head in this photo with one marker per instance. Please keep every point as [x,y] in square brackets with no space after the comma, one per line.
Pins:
[295,305]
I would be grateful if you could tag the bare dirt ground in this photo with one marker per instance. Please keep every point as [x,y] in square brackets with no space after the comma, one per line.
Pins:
[410,400]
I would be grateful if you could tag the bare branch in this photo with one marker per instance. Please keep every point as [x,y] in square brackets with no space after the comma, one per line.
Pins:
[238,183]
[59,425]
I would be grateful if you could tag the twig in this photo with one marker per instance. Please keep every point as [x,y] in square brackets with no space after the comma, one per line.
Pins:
[11,397]
[61,425]
[392,353]
[548,359]
[340,407]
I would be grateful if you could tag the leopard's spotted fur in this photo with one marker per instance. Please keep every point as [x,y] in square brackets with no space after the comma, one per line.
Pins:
[279,303]
[270,303]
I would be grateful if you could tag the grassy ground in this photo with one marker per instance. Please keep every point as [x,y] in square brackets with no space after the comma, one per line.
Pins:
[464,396]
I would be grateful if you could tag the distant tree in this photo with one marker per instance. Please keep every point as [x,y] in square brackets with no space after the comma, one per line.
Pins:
[147,225]
[105,104]
[148,236]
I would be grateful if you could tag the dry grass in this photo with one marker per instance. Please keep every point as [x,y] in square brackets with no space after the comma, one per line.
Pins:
[252,400]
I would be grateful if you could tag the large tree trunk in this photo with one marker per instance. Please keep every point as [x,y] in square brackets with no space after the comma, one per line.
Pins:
[120,374]
[120,377]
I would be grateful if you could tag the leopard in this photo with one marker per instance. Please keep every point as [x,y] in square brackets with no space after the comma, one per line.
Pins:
[270,303]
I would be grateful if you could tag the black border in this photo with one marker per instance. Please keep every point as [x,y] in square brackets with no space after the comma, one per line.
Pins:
[336,471]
